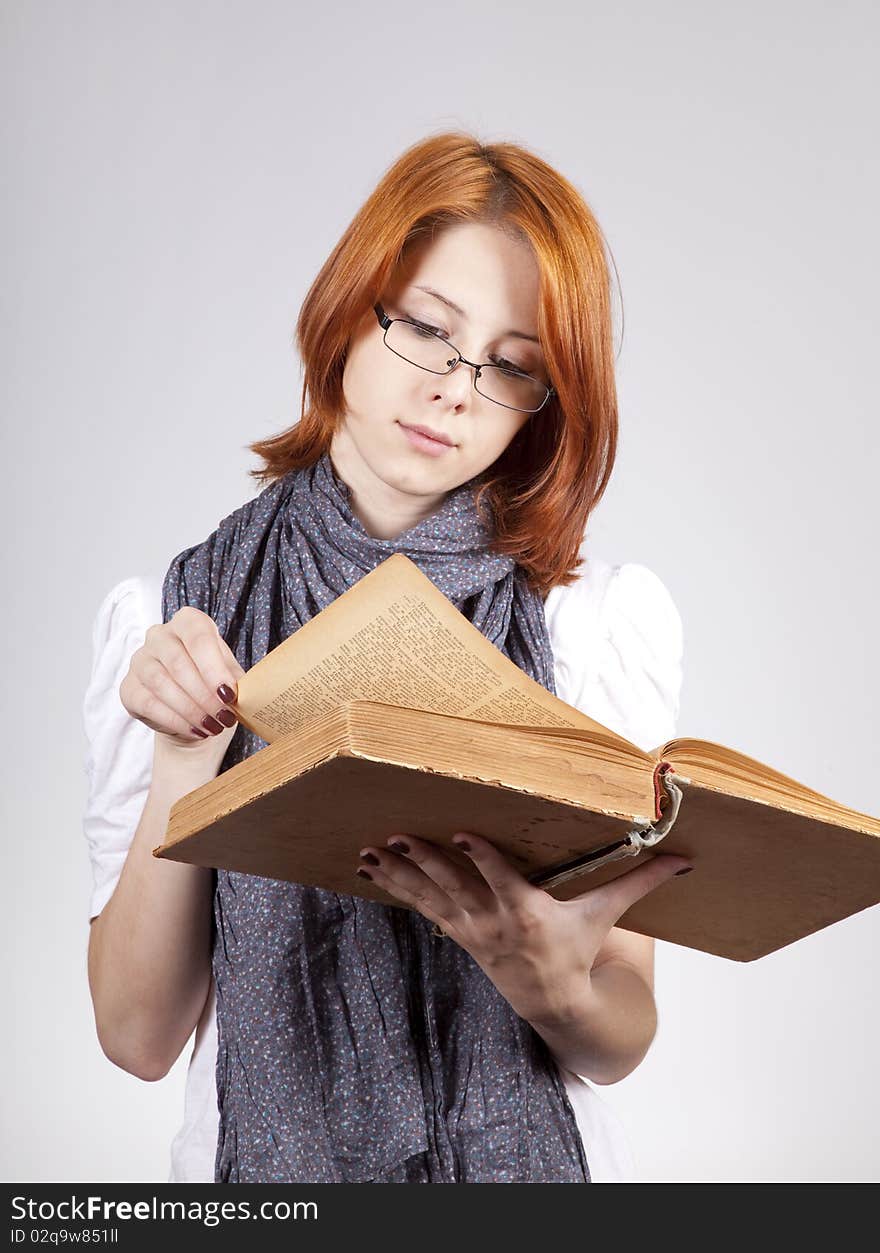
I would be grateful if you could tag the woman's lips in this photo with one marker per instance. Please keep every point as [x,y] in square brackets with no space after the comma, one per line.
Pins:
[433,447]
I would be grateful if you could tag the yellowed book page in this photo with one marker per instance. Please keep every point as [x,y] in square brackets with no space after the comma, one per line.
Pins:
[727,769]
[395,638]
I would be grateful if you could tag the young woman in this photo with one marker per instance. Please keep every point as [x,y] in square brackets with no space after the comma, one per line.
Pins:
[458,406]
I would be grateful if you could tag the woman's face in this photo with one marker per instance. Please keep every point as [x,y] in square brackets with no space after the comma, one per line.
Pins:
[493,280]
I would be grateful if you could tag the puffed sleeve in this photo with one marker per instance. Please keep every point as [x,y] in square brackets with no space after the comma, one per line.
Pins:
[119,748]
[617,640]
[638,671]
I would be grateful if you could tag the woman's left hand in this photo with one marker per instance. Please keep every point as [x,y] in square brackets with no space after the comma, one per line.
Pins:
[536,950]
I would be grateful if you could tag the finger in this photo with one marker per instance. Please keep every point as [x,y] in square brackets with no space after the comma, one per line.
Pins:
[510,887]
[154,713]
[181,673]
[460,883]
[214,659]
[411,885]
[613,899]
[171,678]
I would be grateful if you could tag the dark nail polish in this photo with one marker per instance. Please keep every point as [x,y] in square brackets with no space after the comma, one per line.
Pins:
[227,717]
[399,846]
[371,858]
[463,845]
[364,874]
[226,694]
[686,870]
[200,734]
[211,725]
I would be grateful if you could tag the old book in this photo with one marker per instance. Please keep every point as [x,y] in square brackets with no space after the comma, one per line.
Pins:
[388,712]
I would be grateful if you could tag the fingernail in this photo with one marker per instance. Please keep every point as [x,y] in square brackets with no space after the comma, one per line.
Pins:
[462,844]
[227,717]
[201,734]
[371,858]
[686,870]
[226,694]
[210,724]
[364,874]
[399,846]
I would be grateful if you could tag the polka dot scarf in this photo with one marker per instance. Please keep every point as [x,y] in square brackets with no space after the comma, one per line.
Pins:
[354,1045]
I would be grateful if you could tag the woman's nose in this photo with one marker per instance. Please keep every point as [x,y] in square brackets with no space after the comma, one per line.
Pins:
[458,383]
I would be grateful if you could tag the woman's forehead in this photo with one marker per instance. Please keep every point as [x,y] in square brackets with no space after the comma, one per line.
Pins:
[476,275]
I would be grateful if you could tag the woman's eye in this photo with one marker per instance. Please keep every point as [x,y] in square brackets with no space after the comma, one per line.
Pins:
[510,365]
[428,330]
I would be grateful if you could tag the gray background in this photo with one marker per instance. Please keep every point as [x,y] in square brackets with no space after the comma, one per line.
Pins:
[177,174]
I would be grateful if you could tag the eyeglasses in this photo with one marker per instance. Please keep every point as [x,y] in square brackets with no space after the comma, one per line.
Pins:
[420,345]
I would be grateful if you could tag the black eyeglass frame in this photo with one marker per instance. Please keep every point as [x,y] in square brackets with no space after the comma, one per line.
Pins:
[385,322]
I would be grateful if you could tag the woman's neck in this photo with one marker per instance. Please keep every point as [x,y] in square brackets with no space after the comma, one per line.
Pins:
[382,511]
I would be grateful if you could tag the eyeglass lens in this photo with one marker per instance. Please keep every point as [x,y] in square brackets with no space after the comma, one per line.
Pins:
[424,348]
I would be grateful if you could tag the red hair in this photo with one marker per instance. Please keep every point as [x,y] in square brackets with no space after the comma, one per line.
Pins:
[542,489]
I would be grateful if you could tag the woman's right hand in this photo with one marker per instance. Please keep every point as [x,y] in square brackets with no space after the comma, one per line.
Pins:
[172,685]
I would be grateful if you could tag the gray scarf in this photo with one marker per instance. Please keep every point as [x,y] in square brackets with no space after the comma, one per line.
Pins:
[354,1045]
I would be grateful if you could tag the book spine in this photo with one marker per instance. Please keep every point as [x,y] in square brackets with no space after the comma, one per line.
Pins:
[660,792]
[631,845]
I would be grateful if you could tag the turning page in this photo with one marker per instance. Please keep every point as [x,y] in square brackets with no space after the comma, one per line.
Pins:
[395,638]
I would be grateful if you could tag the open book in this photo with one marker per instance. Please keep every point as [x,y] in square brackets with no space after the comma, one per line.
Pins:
[390,712]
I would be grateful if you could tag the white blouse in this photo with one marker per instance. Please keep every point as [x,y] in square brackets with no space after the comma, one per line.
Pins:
[617,644]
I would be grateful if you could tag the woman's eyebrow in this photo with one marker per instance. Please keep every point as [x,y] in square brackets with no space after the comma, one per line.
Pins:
[461,313]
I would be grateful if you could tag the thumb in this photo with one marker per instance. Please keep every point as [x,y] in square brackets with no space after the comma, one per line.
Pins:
[617,896]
